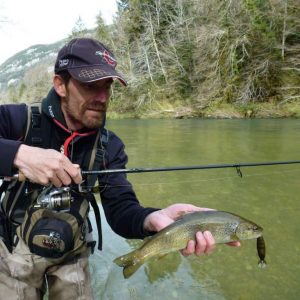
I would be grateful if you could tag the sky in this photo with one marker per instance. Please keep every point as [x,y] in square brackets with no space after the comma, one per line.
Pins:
[24,23]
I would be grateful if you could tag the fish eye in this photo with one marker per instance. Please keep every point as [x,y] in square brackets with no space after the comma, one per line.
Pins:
[251,228]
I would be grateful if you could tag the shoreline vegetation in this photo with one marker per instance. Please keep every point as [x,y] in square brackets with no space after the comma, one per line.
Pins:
[194,59]
[220,111]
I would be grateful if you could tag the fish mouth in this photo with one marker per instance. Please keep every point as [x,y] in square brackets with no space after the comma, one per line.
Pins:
[259,230]
[258,234]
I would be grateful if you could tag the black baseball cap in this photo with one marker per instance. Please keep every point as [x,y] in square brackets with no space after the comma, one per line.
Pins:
[87,60]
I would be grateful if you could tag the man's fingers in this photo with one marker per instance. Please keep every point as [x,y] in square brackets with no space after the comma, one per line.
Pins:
[46,166]
[77,177]
[203,244]
[234,244]
[63,177]
[73,171]
[56,181]
[190,248]
[200,244]
[210,242]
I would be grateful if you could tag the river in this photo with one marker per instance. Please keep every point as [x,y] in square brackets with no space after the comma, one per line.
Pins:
[267,195]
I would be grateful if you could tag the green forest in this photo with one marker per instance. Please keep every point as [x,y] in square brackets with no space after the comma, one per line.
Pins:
[198,58]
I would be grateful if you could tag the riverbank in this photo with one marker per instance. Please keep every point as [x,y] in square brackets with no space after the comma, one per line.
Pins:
[212,111]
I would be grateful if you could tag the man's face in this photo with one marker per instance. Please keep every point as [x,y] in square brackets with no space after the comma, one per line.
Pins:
[85,104]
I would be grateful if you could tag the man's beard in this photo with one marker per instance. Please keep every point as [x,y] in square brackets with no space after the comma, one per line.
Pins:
[90,122]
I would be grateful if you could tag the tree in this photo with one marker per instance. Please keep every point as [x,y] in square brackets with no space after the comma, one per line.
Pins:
[103,32]
[79,29]
[122,5]
[288,24]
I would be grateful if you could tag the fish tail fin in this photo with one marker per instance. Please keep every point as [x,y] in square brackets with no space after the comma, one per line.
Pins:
[130,262]
[130,269]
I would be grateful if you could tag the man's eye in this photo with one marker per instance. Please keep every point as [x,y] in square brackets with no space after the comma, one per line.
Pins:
[86,86]
[93,86]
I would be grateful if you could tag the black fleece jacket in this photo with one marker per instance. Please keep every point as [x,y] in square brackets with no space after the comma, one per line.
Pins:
[122,209]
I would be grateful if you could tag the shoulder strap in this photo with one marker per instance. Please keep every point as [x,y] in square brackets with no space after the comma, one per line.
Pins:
[98,158]
[28,122]
[97,161]
[92,200]
[37,127]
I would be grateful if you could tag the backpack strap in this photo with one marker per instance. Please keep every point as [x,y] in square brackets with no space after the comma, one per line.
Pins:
[98,156]
[28,122]
[97,161]
[92,200]
[37,127]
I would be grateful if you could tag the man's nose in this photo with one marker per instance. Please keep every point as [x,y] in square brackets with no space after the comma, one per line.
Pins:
[102,95]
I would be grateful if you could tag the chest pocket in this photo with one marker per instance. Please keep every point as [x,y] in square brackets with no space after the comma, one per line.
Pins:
[53,234]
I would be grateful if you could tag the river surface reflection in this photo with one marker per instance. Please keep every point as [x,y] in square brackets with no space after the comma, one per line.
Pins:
[267,195]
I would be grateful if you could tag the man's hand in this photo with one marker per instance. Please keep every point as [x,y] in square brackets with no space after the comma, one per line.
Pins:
[46,166]
[204,242]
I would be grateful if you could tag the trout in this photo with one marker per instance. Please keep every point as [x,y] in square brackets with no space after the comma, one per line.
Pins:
[224,226]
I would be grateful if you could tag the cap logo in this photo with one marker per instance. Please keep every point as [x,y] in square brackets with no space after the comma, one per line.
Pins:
[107,57]
[63,62]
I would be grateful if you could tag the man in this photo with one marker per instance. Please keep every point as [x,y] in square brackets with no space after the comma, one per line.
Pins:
[48,246]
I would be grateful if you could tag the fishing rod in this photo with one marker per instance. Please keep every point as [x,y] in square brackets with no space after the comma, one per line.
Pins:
[186,168]
[237,166]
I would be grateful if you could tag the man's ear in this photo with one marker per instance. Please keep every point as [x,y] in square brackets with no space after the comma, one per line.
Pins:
[59,86]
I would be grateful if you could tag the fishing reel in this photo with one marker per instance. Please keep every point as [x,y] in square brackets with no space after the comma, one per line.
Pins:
[58,199]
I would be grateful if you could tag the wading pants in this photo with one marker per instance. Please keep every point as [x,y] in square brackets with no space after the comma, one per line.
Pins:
[25,276]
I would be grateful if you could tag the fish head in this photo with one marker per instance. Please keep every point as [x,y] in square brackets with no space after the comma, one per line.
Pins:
[248,230]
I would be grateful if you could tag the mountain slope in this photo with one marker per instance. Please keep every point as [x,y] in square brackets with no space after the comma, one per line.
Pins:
[14,68]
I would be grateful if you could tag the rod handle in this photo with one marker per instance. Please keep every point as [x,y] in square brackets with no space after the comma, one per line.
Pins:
[19,176]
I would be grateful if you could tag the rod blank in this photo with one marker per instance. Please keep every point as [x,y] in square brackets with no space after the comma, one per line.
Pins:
[186,168]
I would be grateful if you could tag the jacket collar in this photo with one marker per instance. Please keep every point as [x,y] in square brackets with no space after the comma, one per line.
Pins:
[51,107]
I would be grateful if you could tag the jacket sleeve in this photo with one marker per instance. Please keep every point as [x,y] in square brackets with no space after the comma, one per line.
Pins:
[122,209]
[13,119]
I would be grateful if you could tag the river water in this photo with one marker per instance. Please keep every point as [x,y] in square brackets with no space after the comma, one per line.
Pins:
[266,195]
